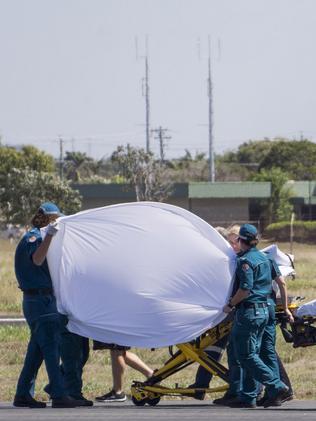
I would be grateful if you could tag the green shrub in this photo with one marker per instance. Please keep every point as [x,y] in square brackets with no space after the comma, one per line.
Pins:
[304,231]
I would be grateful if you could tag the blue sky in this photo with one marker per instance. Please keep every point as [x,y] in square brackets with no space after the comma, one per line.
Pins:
[69,68]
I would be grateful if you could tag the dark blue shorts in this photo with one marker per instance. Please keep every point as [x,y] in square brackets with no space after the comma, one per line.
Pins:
[103,345]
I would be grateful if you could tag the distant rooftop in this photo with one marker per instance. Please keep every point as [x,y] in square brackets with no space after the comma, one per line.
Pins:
[238,189]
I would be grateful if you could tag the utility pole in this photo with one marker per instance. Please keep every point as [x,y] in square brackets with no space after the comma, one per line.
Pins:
[145,90]
[161,137]
[147,99]
[61,158]
[211,175]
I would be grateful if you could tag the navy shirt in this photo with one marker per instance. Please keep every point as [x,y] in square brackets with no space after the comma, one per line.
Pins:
[255,272]
[27,273]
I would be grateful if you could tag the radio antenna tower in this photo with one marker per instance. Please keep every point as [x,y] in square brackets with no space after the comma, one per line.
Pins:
[145,90]
[211,175]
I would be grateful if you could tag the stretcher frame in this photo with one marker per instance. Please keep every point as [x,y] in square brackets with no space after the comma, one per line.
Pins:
[150,391]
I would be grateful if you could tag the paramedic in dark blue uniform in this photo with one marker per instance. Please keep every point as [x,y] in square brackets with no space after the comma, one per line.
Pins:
[40,311]
[254,277]
[74,352]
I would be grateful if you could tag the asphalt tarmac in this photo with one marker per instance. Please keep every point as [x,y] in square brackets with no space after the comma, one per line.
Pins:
[165,411]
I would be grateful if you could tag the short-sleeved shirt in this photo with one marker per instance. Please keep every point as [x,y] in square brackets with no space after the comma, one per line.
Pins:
[28,274]
[255,272]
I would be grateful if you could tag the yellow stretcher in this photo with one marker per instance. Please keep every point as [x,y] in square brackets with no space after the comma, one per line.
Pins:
[301,333]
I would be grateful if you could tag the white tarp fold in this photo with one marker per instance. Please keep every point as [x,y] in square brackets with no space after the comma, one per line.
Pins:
[284,260]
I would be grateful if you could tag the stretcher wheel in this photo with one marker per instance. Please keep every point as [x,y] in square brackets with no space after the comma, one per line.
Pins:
[139,402]
[153,401]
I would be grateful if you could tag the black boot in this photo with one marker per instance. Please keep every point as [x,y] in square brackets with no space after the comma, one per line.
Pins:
[225,400]
[64,402]
[27,402]
[277,399]
[82,401]
[241,404]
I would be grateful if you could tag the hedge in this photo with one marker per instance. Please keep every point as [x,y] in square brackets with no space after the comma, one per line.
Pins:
[303,231]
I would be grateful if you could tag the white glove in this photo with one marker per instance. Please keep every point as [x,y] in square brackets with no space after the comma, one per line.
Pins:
[52,228]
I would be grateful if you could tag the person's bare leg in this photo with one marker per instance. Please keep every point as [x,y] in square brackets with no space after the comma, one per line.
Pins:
[118,369]
[135,362]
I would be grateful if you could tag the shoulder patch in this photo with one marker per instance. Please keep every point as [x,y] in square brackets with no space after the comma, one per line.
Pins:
[245,267]
[32,239]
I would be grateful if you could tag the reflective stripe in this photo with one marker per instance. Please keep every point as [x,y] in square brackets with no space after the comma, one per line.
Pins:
[213,348]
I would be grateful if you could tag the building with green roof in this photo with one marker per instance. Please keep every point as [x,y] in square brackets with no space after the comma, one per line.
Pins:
[219,203]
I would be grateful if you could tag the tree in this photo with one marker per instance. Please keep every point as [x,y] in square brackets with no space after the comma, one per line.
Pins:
[188,168]
[9,158]
[278,207]
[27,157]
[37,159]
[143,173]
[253,152]
[231,171]
[77,165]
[23,190]
[242,164]
[297,158]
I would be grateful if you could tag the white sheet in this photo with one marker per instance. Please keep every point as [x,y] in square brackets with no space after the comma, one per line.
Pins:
[284,260]
[140,274]
[307,309]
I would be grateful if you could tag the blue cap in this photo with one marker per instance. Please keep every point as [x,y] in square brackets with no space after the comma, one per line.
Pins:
[50,208]
[248,232]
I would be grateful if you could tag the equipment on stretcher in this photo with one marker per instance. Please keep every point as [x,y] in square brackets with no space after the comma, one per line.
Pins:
[302,332]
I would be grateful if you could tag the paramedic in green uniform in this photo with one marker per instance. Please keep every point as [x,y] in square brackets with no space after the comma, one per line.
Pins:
[254,274]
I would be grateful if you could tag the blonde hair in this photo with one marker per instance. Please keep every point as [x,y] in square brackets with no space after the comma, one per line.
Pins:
[232,237]
[233,229]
